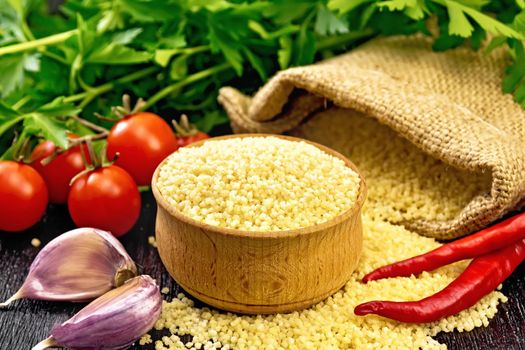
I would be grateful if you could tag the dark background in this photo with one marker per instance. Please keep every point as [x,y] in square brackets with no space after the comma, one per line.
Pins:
[26,322]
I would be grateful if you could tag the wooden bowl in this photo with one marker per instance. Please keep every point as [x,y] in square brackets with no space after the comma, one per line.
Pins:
[260,272]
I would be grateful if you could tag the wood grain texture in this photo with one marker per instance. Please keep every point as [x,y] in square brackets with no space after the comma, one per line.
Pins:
[27,322]
[260,272]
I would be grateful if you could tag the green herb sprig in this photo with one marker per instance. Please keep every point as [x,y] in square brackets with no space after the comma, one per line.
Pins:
[81,58]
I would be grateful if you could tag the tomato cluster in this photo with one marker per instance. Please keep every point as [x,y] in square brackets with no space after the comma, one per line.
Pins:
[104,197]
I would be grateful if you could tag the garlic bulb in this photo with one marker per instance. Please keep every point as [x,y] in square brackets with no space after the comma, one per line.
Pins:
[113,321]
[79,265]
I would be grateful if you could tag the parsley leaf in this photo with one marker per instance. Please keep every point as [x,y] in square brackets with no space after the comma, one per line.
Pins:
[94,51]
[11,73]
[327,23]
[40,125]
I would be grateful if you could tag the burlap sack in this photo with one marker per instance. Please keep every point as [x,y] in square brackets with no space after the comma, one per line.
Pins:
[449,104]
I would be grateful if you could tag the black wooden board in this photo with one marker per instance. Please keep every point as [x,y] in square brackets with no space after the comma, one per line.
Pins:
[27,322]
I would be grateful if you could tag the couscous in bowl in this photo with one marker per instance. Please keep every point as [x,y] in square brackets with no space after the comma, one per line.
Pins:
[259,272]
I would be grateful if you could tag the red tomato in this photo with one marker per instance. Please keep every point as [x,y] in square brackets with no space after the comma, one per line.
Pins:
[143,140]
[106,198]
[23,196]
[60,171]
[186,140]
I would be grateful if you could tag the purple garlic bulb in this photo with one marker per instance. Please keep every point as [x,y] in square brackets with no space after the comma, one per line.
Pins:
[79,265]
[113,321]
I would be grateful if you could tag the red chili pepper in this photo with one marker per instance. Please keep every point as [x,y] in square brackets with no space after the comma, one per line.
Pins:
[480,243]
[481,277]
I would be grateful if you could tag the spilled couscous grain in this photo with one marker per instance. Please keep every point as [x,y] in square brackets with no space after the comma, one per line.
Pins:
[332,324]
[258,184]
[145,339]
[421,188]
[35,242]
[404,184]
[152,241]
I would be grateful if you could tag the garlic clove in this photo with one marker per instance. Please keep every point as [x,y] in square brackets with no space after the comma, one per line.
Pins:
[113,321]
[79,265]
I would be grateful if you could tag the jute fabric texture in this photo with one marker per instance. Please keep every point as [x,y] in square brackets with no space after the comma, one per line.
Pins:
[450,105]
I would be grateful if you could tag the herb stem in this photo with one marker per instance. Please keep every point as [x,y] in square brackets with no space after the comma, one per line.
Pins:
[125,79]
[109,86]
[83,84]
[28,45]
[188,80]
[334,41]
[87,100]
[22,102]
[53,56]
[25,29]
[77,97]
[195,49]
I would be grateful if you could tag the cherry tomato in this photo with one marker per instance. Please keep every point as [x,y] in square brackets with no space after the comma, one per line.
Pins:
[23,196]
[186,140]
[142,140]
[106,198]
[59,172]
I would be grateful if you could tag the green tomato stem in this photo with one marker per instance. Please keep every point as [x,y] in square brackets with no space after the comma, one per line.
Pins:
[33,44]
[188,80]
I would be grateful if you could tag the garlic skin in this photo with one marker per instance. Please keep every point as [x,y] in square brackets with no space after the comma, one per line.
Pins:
[113,321]
[79,265]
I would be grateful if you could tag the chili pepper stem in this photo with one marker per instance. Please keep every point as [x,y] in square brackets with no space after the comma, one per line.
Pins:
[46,343]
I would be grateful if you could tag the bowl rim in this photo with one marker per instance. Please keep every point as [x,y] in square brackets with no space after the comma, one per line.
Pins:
[352,211]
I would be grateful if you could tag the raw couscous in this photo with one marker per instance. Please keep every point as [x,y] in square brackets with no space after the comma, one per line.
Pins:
[331,324]
[403,182]
[429,189]
[258,184]
[35,242]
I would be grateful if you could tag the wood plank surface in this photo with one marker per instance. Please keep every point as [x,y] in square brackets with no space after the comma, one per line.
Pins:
[27,322]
